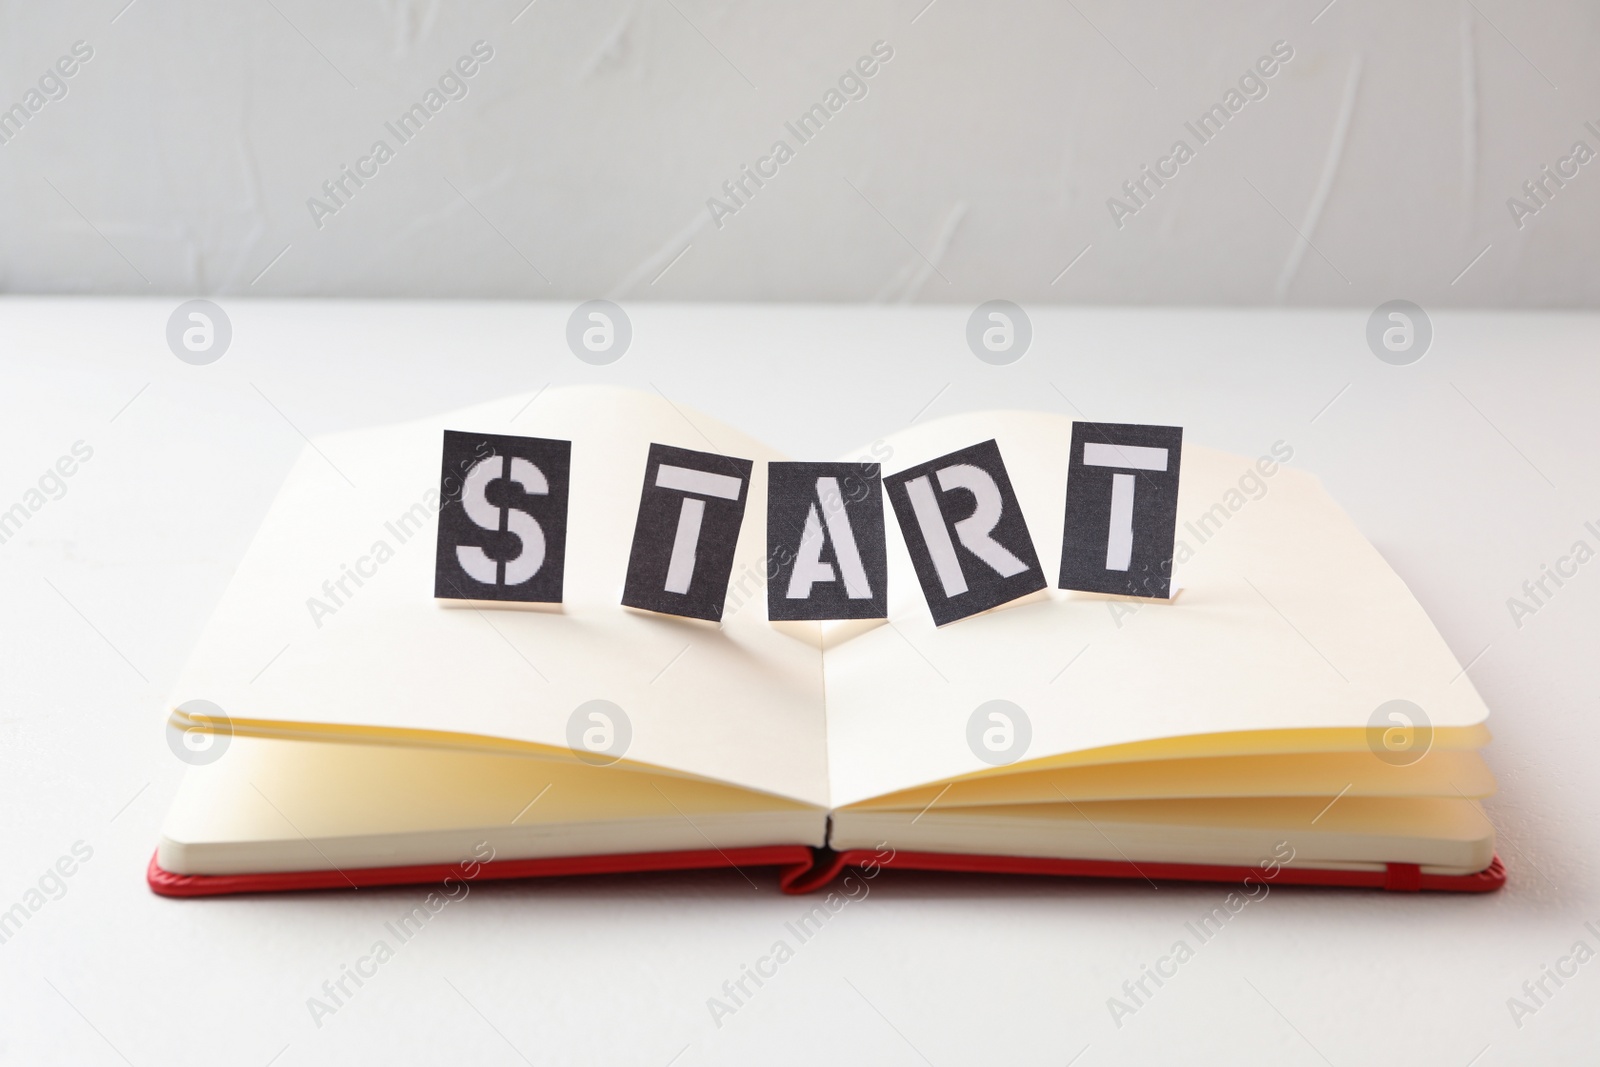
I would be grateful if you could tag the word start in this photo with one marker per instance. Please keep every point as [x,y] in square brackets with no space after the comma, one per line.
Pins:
[503,526]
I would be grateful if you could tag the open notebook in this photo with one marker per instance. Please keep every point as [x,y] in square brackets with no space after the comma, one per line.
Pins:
[383,736]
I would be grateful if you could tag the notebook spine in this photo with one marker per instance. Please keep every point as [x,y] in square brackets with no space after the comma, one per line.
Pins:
[802,869]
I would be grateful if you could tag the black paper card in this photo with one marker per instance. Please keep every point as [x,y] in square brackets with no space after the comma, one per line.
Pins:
[503,518]
[965,531]
[689,516]
[826,555]
[1122,509]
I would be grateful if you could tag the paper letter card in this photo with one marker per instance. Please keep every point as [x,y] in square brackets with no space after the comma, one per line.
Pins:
[826,555]
[1122,509]
[965,532]
[689,516]
[503,519]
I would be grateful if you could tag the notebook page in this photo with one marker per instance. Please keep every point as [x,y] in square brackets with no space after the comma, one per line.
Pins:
[740,703]
[1286,618]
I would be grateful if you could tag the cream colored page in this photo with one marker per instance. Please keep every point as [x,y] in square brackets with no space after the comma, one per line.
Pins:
[273,805]
[1289,774]
[742,703]
[1287,618]
[264,789]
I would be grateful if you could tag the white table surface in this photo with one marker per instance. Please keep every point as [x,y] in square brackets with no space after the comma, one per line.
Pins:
[1469,470]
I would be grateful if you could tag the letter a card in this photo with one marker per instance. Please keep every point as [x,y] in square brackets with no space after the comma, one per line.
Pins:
[826,555]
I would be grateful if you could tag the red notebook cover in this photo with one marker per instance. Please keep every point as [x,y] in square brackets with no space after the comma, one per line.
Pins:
[802,869]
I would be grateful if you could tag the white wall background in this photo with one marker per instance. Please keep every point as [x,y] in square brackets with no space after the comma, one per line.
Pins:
[1378,166]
